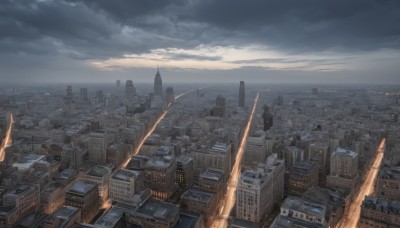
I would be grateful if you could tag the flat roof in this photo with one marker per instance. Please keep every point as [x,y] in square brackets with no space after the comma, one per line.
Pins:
[304,206]
[81,187]
[198,195]
[212,174]
[111,217]
[126,174]
[345,152]
[65,212]
[98,171]
[158,209]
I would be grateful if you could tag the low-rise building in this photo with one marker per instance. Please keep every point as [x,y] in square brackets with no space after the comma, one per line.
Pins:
[26,198]
[154,213]
[377,212]
[198,201]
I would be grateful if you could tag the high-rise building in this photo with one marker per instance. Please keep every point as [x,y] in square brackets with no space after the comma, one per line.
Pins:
[241,94]
[217,157]
[320,152]
[98,142]
[100,97]
[125,183]
[267,118]
[130,90]
[344,163]
[184,171]
[169,94]
[160,177]
[200,202]
[84,196]
[99,175]
[256,150]
[118,83]
[83,94]
[254,195]
[303,176]
[158,90]
[344,169]
[219,109]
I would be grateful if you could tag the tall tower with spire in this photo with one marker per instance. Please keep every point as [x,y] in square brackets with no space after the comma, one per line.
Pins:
[158,91]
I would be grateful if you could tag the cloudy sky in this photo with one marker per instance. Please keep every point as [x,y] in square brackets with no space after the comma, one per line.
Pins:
[317,41]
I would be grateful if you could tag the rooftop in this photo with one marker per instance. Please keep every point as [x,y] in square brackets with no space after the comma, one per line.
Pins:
[187,220]
[305,166]
[98,171]
[184,159]
[65,212]
[304,206]
[81,188]
[381,205]
[110,218]
[289,222]
[391,173]
[126,174]
[159,210]
[198,195]
[212,174]
[345,152]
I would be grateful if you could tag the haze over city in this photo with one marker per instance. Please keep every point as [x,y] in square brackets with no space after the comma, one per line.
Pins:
[200,41]
[199,113]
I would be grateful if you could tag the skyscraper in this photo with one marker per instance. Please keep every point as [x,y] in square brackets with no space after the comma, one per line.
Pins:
[268,118]
[83,94]
[118,83]
[241,94]
[158,91]
[130,90]
[169,93]
[219,109]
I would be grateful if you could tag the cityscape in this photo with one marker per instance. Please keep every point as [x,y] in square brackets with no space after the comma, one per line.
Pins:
[118,118]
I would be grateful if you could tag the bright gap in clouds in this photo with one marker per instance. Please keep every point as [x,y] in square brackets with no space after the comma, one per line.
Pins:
[223,58]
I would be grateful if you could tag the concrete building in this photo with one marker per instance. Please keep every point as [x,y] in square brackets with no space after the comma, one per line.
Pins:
[217,157]
[277,168]
[83,94]
[298,212]
[52,197]
[99,175]
[130,90]
[116,153]
[125,183]
[344,163]
[377,212]
[343,169]
[25,198]
[98,143]
[113,218]
[388,183]
[184,171]
[219,109]
[254,195]
[256,149]
[154,214]
[213,181]
[199,201]
[84,196]
[302,176]
[268,118]
[64,217]
[320,152]
[160,177]
[241,94]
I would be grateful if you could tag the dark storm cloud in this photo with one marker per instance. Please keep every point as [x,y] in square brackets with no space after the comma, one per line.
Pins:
[98,29]
[311,25]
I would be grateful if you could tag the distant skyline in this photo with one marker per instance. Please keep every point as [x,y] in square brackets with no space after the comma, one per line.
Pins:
[291,41]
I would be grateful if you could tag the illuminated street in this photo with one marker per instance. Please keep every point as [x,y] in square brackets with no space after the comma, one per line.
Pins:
[7,140]
[151,130]
[352,215]
[230,197]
